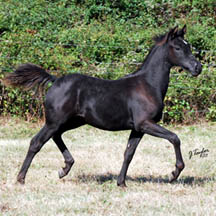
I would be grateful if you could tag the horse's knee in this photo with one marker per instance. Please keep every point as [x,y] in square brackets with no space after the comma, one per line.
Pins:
[175,140]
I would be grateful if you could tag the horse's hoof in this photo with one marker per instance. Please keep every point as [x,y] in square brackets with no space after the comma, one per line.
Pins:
[21,181]
[122,185]
[172,177]
[61,173]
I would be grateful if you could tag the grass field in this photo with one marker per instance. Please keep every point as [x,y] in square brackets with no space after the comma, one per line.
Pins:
[90,188]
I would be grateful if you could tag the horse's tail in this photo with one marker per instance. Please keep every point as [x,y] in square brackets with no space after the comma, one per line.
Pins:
[28,76]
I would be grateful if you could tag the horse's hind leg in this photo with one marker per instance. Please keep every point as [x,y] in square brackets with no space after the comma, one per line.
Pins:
[69,161]
[35,145]
[72,123]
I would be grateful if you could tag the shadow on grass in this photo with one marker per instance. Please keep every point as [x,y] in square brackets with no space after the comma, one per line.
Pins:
[187,180]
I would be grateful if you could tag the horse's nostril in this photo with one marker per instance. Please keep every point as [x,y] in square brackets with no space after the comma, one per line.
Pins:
[198,67]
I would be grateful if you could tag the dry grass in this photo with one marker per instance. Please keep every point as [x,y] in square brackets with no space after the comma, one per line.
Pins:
[90,188]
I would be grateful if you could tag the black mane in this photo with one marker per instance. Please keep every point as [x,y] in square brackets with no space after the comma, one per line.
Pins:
[159,38]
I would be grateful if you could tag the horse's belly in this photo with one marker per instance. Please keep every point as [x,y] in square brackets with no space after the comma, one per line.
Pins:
[108,119]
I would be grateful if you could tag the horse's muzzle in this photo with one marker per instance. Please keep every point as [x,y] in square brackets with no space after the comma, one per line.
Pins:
[197,69]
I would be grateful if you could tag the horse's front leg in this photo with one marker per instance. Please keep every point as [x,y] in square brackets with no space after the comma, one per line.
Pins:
[156,130]
[133,142]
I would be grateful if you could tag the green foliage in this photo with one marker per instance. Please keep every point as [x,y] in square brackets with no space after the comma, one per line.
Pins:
[17,103]
[104,39]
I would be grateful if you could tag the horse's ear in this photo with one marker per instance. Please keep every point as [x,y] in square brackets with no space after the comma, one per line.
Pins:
[182,31]
[162,39]
[172,33]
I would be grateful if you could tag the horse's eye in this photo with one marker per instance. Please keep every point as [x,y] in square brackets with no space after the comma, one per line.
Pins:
[177,48]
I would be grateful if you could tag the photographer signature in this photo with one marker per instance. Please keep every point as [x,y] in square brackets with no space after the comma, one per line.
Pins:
[196,152]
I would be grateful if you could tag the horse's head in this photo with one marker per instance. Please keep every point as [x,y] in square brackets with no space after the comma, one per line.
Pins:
[179,51]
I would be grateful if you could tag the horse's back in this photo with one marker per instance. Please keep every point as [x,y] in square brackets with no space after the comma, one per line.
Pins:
[102,103]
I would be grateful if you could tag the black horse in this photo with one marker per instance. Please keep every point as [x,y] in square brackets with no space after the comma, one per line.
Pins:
[134,102]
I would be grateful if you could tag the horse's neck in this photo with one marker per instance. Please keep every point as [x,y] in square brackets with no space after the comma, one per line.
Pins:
[155,71]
